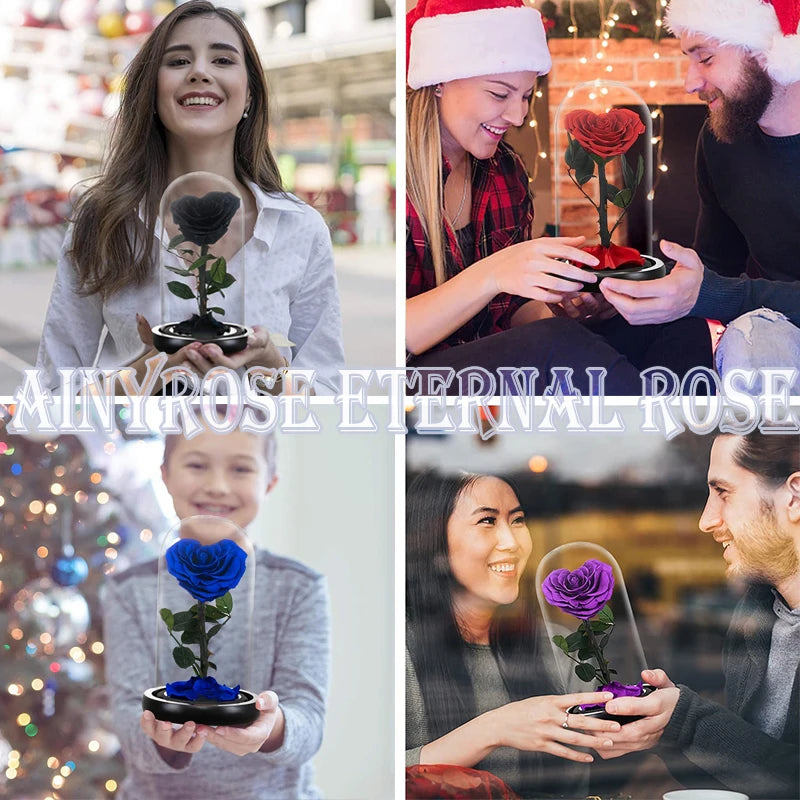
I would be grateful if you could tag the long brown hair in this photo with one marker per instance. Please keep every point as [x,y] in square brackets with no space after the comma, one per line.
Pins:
[424,178]
[111,247]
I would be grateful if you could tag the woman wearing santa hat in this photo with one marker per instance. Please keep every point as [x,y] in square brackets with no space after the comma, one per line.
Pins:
[472,269]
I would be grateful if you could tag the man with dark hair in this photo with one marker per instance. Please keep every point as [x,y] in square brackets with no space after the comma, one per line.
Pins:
[752,745]
[744,61]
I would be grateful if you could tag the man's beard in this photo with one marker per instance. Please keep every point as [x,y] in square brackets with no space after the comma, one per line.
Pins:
[765,551]
[738,114]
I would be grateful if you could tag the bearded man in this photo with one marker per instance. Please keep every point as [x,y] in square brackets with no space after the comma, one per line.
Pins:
[752,745]
[744,61]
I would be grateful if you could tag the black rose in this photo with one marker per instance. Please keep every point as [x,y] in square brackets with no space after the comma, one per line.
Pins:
[204,220]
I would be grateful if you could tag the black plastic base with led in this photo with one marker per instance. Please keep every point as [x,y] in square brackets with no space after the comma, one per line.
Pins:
[651,269]
[167,340]
[241,711]
[600,712]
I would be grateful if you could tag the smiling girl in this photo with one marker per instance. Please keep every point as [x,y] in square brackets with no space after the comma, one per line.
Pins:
[226,475]
[478,691]
[195,99]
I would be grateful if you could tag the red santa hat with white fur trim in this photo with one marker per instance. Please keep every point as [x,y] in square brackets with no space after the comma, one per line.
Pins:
[771,28]
[451,39]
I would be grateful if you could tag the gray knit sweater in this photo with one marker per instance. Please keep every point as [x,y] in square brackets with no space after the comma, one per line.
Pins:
[291,655]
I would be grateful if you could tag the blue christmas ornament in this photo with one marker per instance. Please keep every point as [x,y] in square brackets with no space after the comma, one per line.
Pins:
[69,570]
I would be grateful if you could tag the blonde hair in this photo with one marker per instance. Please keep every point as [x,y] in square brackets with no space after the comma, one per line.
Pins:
[424,179]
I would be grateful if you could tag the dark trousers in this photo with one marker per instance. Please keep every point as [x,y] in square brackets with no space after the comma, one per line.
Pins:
[623,350]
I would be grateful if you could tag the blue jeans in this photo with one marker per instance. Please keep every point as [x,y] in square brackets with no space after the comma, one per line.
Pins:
[759,339]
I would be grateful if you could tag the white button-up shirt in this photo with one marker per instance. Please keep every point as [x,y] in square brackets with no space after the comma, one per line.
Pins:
[289,288]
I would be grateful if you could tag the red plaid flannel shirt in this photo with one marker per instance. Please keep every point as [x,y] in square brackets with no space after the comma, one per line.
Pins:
[502,212]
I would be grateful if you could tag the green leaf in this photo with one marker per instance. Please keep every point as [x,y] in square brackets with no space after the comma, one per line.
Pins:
[213,613]
[201,262]
[560,642]
[585,653]
[640,170]
[178,270]
[599,627]
[227,281]
[212,665]
[585,672]
[606,615]
[184,657]
[182,620]
[627,172]
[603,641]
[225,603]
[213,630]
[578,159]
[180,290]
[217,309]
[623,198]
[169,620]
[218,272]
[575,641]
[176,240]
[611,192]
[571,151]
[187,252]
[191,636]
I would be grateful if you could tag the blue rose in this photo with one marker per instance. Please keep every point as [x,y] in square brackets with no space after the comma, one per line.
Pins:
[206,688]
[206,571]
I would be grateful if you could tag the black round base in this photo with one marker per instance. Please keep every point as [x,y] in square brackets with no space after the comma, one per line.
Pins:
[241,711]
[601,713]
[653,268]
[167,341]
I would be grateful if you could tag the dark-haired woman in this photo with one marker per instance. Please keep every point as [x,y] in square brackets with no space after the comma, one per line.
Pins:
[107,284]
[478,691]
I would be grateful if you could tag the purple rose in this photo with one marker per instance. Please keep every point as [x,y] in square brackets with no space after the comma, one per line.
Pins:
[582,592]
[622,689]
[205,688]
[618,690]
[206,571]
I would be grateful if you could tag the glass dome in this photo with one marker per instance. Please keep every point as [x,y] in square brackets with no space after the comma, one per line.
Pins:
[603,181]
[590,622]
[204,648]
[202,264]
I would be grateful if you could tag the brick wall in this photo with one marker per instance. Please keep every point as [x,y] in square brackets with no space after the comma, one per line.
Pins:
[658,81]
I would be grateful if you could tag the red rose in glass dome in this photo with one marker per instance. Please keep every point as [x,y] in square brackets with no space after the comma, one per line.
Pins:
[594,141]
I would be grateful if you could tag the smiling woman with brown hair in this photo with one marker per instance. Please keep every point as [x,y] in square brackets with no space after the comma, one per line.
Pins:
[195,99]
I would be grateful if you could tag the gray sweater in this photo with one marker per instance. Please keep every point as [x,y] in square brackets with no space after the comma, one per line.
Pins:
[291,655]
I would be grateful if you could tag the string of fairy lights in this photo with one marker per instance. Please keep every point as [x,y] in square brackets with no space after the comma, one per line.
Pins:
[609,14]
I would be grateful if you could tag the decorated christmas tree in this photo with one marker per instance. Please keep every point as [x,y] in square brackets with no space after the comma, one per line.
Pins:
[71,510]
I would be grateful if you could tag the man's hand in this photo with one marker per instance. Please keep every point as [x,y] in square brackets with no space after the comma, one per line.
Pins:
[656,710]
[266,730]
[663,299]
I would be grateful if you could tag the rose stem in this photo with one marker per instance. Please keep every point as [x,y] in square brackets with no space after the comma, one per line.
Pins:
[598,653]
[201,286]
[605,236]
[201,617]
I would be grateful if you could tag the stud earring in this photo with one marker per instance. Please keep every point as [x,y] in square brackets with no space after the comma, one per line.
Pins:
[438,90]
[245,115]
